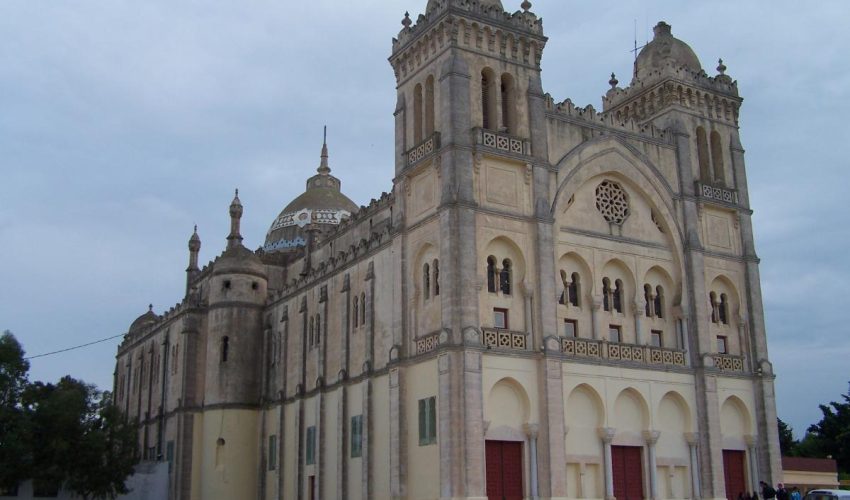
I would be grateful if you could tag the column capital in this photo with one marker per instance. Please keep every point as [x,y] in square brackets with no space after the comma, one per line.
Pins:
[651,437]
[750,439]
[692,438]
[607,434]
[531,430]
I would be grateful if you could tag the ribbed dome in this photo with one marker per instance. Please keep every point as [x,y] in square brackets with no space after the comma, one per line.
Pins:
[433,4]
[663,50]
[144,320]
[322,204]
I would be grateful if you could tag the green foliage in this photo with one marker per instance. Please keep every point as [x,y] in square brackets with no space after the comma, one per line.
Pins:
[832,433]
[66,434]
[786,438]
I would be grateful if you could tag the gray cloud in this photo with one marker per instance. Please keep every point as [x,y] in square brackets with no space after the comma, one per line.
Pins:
[124,123]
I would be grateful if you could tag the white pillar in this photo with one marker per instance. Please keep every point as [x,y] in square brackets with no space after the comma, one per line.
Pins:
[753,463]
[693,438]
[607,435]
[639,338]
[651,438]
[532,430]
[595,306]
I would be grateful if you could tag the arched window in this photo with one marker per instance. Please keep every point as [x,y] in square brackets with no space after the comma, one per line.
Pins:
[356,310]
[717,158]
[702,156]
[417,113]
[488,99]
[712,300]
[723,309]
[429,106]
[618,296]
[363,308]
[659,302]
[505,277]
[508,104]
[436,269]
[564,297]
[225,347]
[606,294]
[491,274]
[575,289]
[311,332]
[647,297]
[426,281]
[318,337]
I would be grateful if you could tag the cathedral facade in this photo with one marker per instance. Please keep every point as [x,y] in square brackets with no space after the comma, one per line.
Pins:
[552,301]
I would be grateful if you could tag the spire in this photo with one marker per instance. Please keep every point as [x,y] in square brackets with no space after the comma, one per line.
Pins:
[195,241]
[324,169]
[235,239]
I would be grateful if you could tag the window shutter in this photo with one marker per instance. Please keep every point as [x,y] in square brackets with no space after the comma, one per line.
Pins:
[432,420]
[423,432]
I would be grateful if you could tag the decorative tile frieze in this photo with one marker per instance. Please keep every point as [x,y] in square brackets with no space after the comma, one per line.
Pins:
[728,362]
[424,149]
[495,338]
[715,193]
[502,142]
[613,351]
[428,343]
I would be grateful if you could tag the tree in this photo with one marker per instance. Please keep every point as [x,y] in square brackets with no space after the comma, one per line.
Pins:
[15,456]
[832,433]
[80,440]
[787,444]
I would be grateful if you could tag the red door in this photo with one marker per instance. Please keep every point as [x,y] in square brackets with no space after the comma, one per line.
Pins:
[626,462]
[733,473]
[504,470]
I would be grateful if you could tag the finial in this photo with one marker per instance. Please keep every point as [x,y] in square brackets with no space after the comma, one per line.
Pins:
[196,229]
[150,308]
[526,5]
[613,81]
[324,169]
[406,22]
[235,239]
[721,68]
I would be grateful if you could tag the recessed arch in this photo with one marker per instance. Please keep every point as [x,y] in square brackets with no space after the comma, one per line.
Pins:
[584,408]
[735,419]
[674,413]
[573,262]
[508,404]
[501,248]
[631,412]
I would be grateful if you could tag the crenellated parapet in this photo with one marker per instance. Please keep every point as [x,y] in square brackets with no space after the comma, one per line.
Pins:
[712,97]
[589,115]
[480,26]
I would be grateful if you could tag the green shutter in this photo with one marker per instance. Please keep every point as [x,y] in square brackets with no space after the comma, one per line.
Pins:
[311,445]
[432,420]
[423,431]
[357,436]
[272,452]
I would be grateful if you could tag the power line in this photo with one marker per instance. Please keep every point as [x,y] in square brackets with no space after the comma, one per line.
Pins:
[72,348]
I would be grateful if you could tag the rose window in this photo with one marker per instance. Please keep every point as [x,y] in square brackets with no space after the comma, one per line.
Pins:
[612,202]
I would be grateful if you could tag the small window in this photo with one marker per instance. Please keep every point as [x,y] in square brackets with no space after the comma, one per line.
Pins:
[659,302]
[723,309]
[426,281]
[227,284]
[356,436]
[570,328]
[606,294]
[656,339]
[722,344]
[272,452]
[436,269]
[505,277]
[491,274]
[356,310]
[648,302]
[427,421]
[363,308]
[225,346]
[318,337]
[574,289]
[618,296]
[615,333]
[500,318]
[310,445]
[712,302]
[311,332]
[255,285]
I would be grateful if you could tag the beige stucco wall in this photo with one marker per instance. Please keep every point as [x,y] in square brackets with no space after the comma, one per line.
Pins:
[229,471]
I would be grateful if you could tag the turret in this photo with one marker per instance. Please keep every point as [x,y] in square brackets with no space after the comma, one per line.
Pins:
[194,248]
[235,239]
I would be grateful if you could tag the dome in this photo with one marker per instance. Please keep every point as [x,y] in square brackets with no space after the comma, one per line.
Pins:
[239,260]
[145,320]
[663,50]
[322,205]
[433,4]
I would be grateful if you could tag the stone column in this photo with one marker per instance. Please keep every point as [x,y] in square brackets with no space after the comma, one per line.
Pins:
[752,463]
[692,439]
[651,438]
[595,306]
[607,435]
[531,430]
[398,441]
[639,337]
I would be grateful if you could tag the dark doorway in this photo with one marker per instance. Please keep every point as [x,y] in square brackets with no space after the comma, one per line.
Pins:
[627,465]
[733,473]
[504,470]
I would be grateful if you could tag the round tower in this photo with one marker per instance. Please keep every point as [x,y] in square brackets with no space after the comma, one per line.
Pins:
[238,290]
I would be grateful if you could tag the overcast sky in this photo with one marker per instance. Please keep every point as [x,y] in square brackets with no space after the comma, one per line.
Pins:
[123,123]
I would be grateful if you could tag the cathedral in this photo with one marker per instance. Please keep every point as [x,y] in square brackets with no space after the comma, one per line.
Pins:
[551,302]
